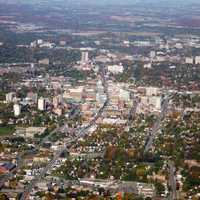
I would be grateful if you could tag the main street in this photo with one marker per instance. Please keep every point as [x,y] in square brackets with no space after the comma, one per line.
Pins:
[81,133]
[20,156]
[157,125]
[155,129]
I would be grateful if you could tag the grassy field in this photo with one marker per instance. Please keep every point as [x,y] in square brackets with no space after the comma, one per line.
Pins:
[6,130]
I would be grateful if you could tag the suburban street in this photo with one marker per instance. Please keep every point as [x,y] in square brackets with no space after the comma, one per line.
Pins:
[9,175]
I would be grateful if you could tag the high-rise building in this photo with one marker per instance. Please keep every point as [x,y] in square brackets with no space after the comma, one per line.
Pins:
[32,65]
[41,104]
[84,57]
[17,110]
[39,41]
[197,60]
[152,54]
[10,97]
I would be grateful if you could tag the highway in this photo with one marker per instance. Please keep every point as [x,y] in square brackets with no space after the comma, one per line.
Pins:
[157,125]
[80,133]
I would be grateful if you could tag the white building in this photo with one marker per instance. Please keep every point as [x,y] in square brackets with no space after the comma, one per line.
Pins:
[152,91]
[189,60]
[84,57]
[150,104]
[41,104]
[142,43]
[178,45]
[44,61]
[101,98]
[10,97]
[197,60]
[29,132]
[17,110]
[115,69]
[152,54]
[124,95]
[147,65]
[155,101]
[113,121]
[39,41]
[47,45]
[126,43]
[74,93]
[146,190]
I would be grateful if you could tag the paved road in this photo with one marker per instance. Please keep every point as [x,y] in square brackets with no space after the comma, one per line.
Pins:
[172,181]
[157,125]
[80,133]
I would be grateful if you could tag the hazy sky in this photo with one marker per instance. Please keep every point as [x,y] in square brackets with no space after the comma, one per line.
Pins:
[178,2]
[130,1]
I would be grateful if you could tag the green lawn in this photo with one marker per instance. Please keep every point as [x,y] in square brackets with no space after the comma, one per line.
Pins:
[6,130]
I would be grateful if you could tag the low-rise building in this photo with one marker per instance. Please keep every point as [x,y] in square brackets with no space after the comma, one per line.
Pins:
[29,132]
[115,69]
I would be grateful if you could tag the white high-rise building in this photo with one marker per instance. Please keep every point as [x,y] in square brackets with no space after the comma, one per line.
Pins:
[32,65]
[10,97]
[39,41]
[152,54]
[84,57]
[17,110]
[41,104]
